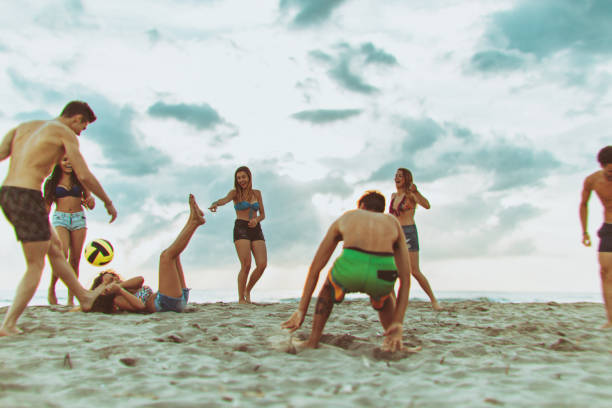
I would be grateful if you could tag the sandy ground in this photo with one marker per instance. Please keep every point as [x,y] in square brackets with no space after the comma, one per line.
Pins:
[474,354]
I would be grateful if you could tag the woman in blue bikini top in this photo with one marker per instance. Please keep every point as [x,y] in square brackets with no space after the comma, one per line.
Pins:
[248,235]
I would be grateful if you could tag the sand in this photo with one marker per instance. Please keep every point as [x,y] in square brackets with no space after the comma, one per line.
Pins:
[474,354]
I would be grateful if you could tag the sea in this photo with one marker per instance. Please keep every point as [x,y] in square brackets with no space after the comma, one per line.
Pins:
[280,296]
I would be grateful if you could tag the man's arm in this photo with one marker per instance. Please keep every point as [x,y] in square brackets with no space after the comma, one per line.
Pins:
[7,144]
[324,252]
[584,210]
[85,176]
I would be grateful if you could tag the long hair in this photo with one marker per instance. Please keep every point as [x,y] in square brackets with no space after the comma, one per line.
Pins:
[243,194]
[407,178]
[103,303]
[52,182]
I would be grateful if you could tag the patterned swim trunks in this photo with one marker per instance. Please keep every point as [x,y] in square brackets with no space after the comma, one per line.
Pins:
[25,209]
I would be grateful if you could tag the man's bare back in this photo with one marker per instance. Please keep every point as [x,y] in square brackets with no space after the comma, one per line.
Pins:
[369,231]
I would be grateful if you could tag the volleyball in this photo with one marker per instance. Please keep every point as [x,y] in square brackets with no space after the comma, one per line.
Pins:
[99,252]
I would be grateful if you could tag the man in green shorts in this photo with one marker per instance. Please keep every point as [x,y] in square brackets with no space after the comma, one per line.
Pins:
[375,254]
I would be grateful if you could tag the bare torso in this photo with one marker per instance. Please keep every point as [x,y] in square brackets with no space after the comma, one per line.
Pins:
[35,149]
[369,231]
[603,188]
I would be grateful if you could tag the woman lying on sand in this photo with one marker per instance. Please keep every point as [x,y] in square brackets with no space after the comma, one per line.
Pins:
[172,295]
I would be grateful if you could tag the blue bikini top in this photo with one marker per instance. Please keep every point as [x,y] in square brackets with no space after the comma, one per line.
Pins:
[75,191]
[245,205]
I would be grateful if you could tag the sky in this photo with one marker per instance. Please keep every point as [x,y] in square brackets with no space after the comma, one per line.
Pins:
[498,107]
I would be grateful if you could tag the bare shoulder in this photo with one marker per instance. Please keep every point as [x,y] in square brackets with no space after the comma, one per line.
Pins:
[592,178]
[257,192]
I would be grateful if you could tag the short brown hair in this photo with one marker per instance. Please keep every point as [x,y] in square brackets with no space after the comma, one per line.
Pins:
[79,108]
[372,200]
[604,156]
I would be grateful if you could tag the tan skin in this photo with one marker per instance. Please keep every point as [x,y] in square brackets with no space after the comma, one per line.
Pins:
[601,183]
[369,231]
[171,276]
[35,148]
[406,217]
[72,241]
[245,247]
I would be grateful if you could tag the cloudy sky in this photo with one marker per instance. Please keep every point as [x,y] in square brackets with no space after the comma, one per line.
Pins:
[498,107]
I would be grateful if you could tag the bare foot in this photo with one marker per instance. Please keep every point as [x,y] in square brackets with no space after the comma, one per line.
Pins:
[9,331]
[607,326]
[195,213]
[436,306]
[243,302]
[88,301]
[51,297]
[248,297]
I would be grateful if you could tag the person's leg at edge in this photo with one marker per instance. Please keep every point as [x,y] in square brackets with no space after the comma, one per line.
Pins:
[64,236]
[261,261]
[243,249]
[34,253]
[171,278]
[415,270]
[77,239]
[61,268]
[323,308]
[605,263]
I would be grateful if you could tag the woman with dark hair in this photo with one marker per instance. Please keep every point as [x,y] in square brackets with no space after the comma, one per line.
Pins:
[403,205]
[248,236]
[64,189]
[172,295]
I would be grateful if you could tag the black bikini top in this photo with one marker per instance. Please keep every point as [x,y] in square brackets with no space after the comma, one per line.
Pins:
[75,191]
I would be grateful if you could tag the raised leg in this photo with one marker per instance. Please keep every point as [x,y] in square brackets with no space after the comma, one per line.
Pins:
[605,263]
[34,253]
[261,261]
[323,308]
[171,278]
[61,268]
[243,249]
[423,282]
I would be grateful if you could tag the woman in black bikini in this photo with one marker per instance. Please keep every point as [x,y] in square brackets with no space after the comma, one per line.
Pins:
[403,206]
[64,189]
[248,236]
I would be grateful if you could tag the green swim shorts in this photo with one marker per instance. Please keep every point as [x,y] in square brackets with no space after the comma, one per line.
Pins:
[356,270]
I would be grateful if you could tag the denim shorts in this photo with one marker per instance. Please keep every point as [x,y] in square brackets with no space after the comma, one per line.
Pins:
[70,221]
[165,303]
[412,237]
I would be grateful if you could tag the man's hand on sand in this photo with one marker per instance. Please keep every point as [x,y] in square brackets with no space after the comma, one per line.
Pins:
[586,239]
[294,322]
[393,338]
[110,209]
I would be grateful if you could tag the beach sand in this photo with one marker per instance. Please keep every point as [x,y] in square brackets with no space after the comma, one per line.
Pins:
[474,354]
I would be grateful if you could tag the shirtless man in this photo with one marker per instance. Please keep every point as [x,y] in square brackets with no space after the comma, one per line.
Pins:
[601,183]
[373,245]
[35,148]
